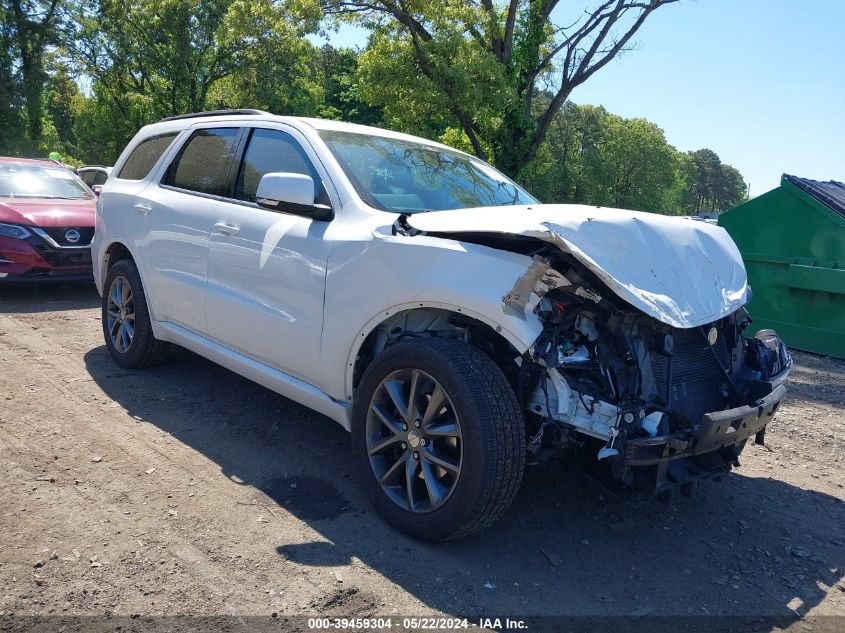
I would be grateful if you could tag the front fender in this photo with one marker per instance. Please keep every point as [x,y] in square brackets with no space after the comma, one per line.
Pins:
[401,273]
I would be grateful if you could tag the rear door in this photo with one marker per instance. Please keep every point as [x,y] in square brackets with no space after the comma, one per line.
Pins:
[267,269]
[180,212]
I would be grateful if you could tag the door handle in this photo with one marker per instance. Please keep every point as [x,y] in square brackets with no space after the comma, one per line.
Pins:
[143,209]
[222,228]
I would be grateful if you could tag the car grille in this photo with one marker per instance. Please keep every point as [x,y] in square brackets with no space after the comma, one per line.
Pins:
[60,258]
[697,376]
[86,234]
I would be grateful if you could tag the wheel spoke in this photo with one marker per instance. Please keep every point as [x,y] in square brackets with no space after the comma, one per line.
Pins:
[118,337]
[114,328]
[393,470]
[413,392]
[436,490]
[394,390]
[410,475]
[116,297]
[124,334]
[394,426]
[444,463]
[383,444]
[446,429]
[434,406]
[126,290]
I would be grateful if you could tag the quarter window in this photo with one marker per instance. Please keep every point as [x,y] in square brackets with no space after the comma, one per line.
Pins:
[145,156]
[203,163]
[271,151]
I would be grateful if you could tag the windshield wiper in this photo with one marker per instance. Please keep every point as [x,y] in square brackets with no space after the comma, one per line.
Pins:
[401,227]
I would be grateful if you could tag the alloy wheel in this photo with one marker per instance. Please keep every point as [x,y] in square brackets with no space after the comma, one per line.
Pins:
[414,440]
[120,314]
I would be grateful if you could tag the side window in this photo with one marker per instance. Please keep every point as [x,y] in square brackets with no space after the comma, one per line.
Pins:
[87,177]
[100,177]
[145,156]
[203,162]
[271,151]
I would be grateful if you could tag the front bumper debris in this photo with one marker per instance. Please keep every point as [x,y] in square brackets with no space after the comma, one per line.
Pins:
[720,429]
[709,449]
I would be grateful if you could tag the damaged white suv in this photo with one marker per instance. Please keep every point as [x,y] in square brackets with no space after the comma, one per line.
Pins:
[458,328]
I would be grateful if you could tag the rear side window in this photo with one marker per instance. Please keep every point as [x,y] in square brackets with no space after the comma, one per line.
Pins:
[203,163]
[87,177]
[271,151]
[145,156]
[100,177]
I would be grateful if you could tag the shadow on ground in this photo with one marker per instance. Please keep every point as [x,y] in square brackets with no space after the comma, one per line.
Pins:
[53,297]
[751,546]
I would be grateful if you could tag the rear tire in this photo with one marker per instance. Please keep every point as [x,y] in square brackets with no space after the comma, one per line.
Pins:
[463,463]
[127,328]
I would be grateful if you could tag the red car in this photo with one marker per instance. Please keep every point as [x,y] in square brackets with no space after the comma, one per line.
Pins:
[46,222]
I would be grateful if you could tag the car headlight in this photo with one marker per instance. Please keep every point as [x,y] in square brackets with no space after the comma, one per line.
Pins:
[13,230]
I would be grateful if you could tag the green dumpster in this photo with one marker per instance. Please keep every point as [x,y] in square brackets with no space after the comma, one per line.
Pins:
[792,240]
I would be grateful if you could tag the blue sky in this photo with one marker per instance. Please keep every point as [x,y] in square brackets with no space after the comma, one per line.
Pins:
[760,82]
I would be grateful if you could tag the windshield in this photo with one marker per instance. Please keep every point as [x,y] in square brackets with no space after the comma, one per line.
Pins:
[407,177]
[40,181]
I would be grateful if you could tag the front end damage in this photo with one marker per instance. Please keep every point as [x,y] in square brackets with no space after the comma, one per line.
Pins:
[645,405]
[643,366]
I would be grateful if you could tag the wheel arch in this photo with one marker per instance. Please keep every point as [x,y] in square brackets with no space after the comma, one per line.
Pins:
[491,330]
[116,251]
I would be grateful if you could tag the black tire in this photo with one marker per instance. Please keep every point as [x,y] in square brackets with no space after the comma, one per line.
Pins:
[493,437]
[144,349]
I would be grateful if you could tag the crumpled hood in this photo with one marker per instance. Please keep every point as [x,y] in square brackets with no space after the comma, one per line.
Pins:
[684,273]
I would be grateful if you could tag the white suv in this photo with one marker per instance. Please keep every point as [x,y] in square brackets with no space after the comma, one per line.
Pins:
[457,327]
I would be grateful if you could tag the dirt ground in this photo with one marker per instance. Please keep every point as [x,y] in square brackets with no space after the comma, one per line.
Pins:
[186,489]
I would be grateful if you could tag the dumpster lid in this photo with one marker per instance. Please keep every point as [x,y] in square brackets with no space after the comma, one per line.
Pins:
[830,193]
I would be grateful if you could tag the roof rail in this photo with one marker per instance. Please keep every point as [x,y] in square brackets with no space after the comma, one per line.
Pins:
[213,113]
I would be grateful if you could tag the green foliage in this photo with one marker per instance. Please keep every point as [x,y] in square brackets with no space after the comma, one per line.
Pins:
[485,67]
[712,185]
[594,157]
[342,98]
[81,76]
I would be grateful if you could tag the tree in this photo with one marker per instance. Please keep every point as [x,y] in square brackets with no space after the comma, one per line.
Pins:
[147,59]
[34,27]
[595,157]
[10,90]
[484,64]
[342,98]
[712,185]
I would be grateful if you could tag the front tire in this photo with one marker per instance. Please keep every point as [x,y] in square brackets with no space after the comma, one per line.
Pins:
[127,328]
[438,438]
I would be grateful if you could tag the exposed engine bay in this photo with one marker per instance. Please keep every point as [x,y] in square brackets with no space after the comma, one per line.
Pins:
[643,369]
[604,377]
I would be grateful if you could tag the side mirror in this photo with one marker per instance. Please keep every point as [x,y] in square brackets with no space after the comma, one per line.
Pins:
[291,193]
[97,189]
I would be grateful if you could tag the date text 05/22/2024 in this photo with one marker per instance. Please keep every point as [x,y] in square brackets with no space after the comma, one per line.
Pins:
[415,624]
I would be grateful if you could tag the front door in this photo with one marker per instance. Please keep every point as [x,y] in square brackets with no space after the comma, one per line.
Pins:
[267,269]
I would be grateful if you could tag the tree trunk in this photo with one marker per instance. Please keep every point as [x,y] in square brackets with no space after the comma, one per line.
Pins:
[33,85]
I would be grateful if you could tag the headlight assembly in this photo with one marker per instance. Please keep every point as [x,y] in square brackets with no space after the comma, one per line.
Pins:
[13,230]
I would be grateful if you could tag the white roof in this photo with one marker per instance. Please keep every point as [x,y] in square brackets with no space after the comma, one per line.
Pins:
[318,124]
